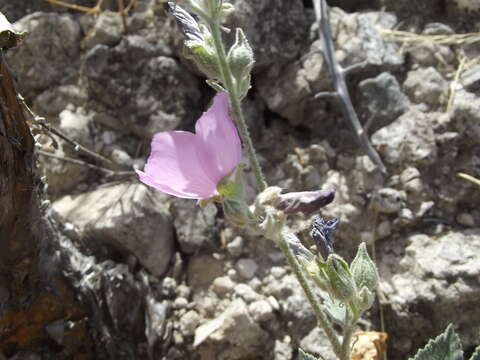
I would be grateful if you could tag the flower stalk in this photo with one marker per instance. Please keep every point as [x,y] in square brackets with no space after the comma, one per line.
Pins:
[228,81]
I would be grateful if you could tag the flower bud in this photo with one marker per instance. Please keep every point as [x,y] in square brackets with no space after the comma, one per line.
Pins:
[364,270]
[365,299]
[237,212]
[240,57]
[341,280]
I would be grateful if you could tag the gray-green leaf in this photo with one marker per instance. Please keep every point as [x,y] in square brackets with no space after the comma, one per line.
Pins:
[302,355]
[446,346]
[9,37]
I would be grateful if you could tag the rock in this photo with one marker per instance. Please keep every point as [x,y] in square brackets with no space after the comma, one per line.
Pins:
[180,303]
[107,30]
[261,311]
[121,158]
[465,117]
[288,89]
[76,123]
[42,61]
[426,86]
[382,100]
[410,139]
[282,351]
[245,292]
[433,284]
[194,225]
[246,268]
[202,270]
[129,81]
[316,343]
[233,335]
[466,219]
[276,31]
[411,181]
[55,99]
[189,322]
[470,79]
[222,285]
[235,247]
[129,217]
[388,200]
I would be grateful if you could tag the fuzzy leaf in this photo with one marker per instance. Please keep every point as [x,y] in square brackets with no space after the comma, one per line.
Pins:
[302,355]
[476,354]
[446,346]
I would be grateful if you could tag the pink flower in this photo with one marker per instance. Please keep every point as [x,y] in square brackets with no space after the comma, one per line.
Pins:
[191,165]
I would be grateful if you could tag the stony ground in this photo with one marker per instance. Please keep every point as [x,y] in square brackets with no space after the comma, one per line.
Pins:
[186,285]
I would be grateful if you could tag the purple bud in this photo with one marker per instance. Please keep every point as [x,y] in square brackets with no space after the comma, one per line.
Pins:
[305,201]
[321,233]
[187,23]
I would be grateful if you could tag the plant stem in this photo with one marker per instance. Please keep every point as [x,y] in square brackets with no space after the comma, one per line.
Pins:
[228,82]
[312,298]
[347,339]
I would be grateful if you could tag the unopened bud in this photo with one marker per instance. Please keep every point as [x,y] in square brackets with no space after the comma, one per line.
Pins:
[364,270]
[240,57]
[186,22]
[365,299]
[341,280]
[321,233]
[306,202]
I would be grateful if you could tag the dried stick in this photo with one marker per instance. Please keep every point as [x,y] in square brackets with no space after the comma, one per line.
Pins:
[78,147]
[338,77]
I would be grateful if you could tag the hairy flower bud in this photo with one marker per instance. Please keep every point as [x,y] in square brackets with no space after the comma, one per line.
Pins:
[341,280]
[306,202]
[364,299]
[186,22]
[364,270]
[240,58]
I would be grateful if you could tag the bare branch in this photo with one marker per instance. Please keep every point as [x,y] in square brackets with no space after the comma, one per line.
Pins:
[338,76]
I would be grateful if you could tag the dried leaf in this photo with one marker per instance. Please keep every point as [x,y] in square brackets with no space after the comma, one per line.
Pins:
[368,345]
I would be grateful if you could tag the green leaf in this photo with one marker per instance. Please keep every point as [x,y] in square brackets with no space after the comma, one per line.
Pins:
[302,355]
[476,354]
[446,346]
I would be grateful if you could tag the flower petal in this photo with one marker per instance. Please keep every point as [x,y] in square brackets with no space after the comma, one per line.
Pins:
[219,134]
[174,166]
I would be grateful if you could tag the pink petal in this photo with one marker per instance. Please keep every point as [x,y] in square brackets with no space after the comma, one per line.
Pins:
[219,134]
[174,166]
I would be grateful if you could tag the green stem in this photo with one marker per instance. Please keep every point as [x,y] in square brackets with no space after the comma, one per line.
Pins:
[228,82]
[312,298]
[347,339]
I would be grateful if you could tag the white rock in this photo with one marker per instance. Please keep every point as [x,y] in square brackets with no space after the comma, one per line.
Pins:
[261,310]
[222,285]
[189,322]
[245,292]
[235,247]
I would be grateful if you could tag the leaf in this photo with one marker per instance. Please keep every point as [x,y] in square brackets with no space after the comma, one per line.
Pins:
[9,37]
[476,354]
[302,355]
[446,346]
[368,345]
[336,310]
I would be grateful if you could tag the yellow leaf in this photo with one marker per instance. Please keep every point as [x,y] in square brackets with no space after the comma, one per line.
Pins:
[368,345]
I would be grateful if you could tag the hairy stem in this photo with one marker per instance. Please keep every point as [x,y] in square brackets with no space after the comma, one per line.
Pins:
[312,298]
[228,82]
[346,342]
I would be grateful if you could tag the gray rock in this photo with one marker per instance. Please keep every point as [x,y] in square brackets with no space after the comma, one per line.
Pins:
[75,123]
[261,311]
[282,351]
[316,342]
[388,200]
[129,217]
[426,86]
[382,100]
[55,99]
[195,226]
[107,30]
[233,335]
[129,80]
[246,268]
[434,283]
[465,117]
[288,89]
[42,61]
[275,30]
[410,139]
[202,270]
